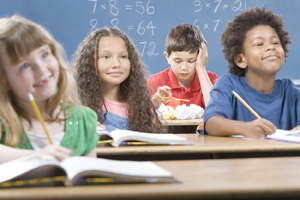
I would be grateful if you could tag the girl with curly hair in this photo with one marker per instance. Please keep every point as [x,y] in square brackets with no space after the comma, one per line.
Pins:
[255,44]
[111,80]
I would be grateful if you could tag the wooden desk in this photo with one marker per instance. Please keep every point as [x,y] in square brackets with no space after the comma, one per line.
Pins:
[204,147]
[274,178]
[187,122]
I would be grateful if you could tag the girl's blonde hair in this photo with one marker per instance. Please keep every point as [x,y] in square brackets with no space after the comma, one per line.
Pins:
[18,37]
[141,112]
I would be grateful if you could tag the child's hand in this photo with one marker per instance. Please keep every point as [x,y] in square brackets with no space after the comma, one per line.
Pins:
[259,128]
[296,128]
[100,126]
[59,152]
[202,57]
[157,98]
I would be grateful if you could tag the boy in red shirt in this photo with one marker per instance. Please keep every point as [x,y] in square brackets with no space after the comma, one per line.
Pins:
[187,77]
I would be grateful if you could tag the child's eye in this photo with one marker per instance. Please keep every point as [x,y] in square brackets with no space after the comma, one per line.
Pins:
[192,61]
[25,65]
[259,44]
[105,57]
[124,57]
[44,55]
[177,61]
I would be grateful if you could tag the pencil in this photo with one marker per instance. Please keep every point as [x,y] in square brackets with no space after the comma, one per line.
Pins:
[170,98]
[131,143]
[245,104]
[38,114]
[134,143]
[105,141]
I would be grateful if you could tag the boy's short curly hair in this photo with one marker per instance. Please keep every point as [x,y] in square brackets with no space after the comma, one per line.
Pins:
[235,34]
[184,37]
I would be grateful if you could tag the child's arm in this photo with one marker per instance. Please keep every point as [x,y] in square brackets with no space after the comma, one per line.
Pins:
[205,83]
[12,153]
[219,126]
[92,153]
[157,98]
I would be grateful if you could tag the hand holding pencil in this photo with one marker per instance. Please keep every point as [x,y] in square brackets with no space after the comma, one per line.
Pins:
[257,128]
[59,152]
[160,96]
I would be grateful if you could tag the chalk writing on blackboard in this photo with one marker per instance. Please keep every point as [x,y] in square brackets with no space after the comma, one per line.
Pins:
[238,5]
[141,8]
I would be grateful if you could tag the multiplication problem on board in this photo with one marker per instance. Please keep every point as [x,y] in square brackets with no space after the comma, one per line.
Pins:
[215,7]
[139,8]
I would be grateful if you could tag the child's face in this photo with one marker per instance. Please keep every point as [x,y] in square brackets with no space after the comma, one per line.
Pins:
[36,73]
[263,53]
[183,64]
[113,63]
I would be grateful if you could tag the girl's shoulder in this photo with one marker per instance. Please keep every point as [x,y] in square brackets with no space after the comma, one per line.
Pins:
[79,110]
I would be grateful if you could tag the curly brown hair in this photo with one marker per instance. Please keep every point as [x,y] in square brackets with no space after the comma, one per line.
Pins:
[235,34]
[141,112]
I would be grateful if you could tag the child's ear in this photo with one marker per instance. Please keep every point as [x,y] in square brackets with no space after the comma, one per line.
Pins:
[240,61]
[166,54]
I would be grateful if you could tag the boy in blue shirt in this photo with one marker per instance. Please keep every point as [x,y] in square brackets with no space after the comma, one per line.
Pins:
[255,46]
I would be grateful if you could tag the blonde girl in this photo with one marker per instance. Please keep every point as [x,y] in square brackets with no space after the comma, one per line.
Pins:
[31,61]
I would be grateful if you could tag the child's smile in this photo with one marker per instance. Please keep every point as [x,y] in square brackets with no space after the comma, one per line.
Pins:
[116,74]
[43,82]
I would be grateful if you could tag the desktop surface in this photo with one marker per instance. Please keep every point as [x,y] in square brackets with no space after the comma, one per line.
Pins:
[254,178]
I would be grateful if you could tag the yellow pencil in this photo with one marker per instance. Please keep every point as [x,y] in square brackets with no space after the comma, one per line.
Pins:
[135,143]
[245,104]
[170,98]
[105,141]
[111,141]
[38,114]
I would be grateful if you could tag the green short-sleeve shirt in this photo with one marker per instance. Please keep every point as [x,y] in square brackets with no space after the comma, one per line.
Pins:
[80,131]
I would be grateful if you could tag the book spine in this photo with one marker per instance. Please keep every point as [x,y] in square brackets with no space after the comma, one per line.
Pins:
[33,181]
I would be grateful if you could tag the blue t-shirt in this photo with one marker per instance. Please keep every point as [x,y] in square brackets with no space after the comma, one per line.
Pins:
[281,107]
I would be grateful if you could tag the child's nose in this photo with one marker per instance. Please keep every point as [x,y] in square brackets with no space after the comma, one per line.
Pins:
[183,66]
[116,63]
[40,67]
[270,47]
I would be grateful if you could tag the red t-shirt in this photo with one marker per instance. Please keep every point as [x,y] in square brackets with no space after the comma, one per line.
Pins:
[192,93]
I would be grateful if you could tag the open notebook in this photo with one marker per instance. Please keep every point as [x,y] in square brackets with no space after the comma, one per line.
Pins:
[78,167]
[119,136]
[286,136]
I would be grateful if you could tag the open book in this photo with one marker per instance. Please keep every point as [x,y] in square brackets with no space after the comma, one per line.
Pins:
[287,136]
[121,136]
[78,167]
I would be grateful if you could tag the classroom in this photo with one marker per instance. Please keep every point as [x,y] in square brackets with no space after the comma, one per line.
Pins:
[210,167]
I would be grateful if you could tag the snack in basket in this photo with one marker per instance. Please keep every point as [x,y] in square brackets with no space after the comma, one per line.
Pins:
[181,112]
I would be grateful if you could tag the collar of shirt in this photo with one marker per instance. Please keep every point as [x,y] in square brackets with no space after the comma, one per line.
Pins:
[195,85]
